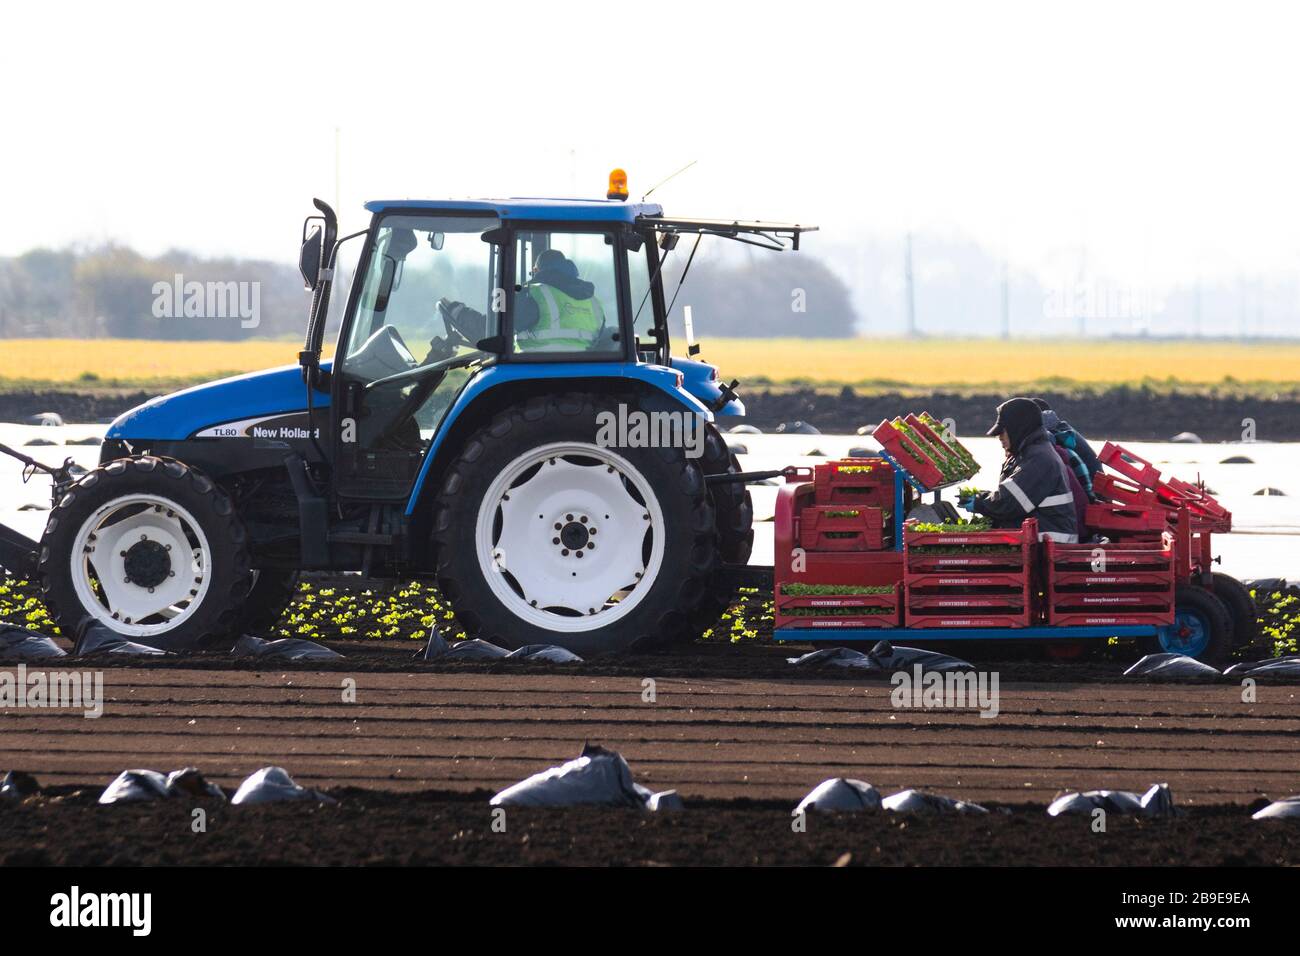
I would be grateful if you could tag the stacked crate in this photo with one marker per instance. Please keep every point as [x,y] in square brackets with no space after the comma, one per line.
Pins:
[1094,585]
[1142,488]
[970,578]
[1126,509]
[843,523]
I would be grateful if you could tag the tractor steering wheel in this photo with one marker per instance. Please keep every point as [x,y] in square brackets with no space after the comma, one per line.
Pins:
[447,310]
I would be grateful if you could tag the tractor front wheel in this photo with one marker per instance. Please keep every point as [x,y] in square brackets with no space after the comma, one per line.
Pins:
[545,534]
[149,548]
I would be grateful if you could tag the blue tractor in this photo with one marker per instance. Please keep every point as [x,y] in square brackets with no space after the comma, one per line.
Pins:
[486,420]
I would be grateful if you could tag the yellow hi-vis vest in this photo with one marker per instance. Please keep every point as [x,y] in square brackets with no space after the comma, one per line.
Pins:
[564,324]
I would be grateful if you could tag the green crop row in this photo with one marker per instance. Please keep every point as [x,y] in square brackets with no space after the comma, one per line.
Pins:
[797,589]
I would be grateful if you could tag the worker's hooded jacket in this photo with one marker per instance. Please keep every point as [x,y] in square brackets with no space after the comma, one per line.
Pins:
[1034,484]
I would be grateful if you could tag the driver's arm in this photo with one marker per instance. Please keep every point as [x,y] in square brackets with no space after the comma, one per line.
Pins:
[468,322]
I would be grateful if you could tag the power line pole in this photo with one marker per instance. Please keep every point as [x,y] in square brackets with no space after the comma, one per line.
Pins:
[911,292]
[1196,314]
[1006,300]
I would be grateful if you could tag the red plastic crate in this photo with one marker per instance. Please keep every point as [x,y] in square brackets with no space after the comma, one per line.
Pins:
[1123,518]
[969,620]
[1115,557]
[907,454]
[842,528]
[874,488]
[1142,600]
[886,606]
[1130,465]
[951,442]
[1108,580]
[1022,540]
[953,602]
[938,448]
[1123,492]
[1096,619]
[970,579]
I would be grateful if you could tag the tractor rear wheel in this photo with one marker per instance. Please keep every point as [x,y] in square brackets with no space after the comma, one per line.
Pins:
[149,548]
[270,594]
[1241,606]
[1202,628]
[733,511]
[544,534]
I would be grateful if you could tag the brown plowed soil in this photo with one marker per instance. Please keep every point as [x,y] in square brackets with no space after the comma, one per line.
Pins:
[741,751]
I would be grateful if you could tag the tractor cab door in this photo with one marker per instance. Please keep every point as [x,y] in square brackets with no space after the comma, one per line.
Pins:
[424,300]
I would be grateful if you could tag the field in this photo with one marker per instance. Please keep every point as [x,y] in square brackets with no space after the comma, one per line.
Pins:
[866,363]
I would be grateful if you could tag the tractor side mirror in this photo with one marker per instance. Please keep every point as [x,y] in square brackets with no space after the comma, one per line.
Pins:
[309,256]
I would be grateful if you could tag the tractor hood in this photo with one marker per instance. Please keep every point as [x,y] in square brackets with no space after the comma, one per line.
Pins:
[178,416]
[701,380]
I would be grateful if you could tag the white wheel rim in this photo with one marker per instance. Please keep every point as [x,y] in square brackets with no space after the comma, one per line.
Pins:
[545,494]
[158,541]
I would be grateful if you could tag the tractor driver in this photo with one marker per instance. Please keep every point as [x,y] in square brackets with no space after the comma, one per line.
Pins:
[556,311]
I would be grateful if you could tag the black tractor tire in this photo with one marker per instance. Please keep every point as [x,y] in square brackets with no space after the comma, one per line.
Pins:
[666,613]
[214,623]
[1245,615]
[1213,617]
[733,510]
[270,594]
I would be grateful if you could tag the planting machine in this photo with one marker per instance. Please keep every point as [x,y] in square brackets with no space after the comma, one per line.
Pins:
[849,568]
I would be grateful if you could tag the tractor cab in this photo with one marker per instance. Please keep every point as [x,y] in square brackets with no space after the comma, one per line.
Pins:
[450,292]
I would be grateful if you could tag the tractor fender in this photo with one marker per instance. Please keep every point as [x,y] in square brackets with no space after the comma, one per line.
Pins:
[498,386]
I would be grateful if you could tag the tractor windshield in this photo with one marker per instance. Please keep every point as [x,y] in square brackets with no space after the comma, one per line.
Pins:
[427,291]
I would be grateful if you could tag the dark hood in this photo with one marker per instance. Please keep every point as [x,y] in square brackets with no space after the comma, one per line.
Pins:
[1019,418]
[565,278]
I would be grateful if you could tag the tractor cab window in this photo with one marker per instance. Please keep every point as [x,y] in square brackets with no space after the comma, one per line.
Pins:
[428,293]
[426,298]
[566,294]
[643,306]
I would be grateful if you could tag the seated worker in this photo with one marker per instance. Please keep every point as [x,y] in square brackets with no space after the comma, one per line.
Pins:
[1068,437]
[1034,481]
[556,311]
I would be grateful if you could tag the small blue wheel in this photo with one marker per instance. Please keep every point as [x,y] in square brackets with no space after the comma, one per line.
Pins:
[1202,627]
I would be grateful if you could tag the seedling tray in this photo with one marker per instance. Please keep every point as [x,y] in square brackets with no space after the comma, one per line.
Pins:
[910,456]
[884,605]
[854,481]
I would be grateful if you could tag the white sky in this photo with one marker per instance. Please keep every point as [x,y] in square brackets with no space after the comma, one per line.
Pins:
[1160,137]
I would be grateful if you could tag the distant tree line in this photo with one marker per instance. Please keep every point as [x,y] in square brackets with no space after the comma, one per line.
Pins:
[112,291]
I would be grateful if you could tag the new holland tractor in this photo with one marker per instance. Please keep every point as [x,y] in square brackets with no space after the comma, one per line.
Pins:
[458,432]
